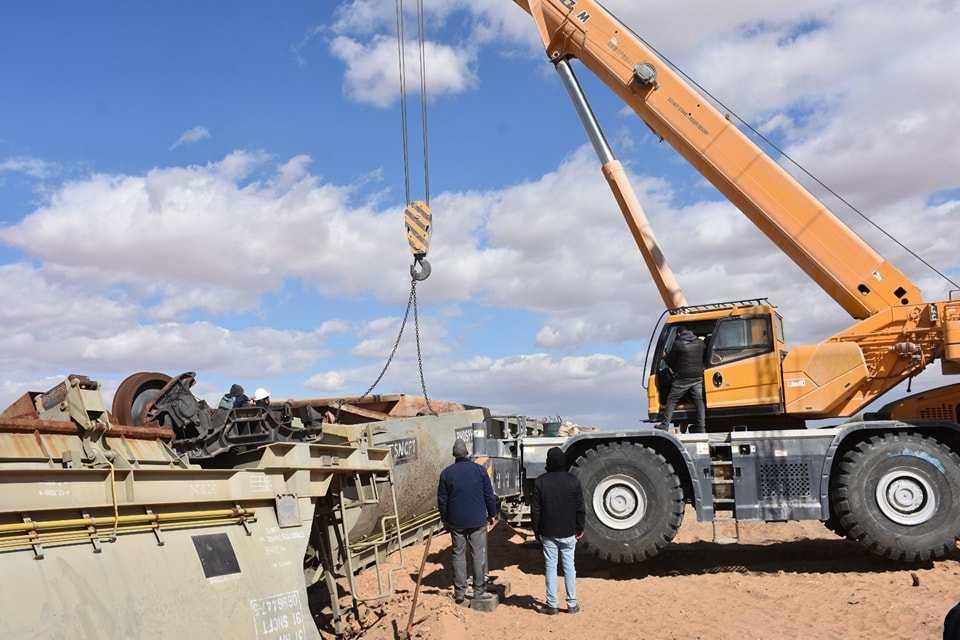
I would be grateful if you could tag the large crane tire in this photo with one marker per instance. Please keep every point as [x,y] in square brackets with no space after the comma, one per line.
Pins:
[633,498]
[833,524]
[898,494]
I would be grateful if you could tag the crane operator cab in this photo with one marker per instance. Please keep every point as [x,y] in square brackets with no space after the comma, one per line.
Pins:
[742,376]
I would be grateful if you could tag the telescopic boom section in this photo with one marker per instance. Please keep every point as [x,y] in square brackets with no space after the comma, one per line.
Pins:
[848,269]
[629,204]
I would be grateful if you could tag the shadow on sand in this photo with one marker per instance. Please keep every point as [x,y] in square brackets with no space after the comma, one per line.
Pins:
[805,556]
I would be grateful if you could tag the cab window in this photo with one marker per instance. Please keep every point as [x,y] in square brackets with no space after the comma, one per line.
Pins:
[739,338]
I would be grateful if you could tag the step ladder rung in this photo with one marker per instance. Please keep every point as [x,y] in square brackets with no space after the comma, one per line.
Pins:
[724,501]
[719,538]
[721,463]
[722,481]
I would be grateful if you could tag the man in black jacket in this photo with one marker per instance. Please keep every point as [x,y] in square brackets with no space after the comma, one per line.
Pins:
[558,518]
[686,359]
[467,505]
[951,625]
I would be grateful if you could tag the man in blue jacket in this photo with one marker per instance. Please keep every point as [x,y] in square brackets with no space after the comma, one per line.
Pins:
[467,505]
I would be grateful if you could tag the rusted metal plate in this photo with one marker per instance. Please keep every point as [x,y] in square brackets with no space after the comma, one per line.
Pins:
[374,407]
[22,407]
[21,446]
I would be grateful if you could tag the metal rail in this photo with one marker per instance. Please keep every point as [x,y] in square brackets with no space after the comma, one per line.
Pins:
[36,534]
[719,306]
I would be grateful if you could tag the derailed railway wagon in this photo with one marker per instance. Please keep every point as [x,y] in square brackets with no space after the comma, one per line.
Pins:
[107,530]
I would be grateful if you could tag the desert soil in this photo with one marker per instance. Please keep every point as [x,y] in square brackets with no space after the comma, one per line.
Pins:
[789,580]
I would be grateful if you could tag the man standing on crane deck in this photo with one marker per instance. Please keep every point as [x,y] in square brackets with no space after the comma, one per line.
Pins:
[467,504]
[686,359]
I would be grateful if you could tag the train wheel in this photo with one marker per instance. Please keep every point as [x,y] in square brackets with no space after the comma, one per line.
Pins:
[134,394]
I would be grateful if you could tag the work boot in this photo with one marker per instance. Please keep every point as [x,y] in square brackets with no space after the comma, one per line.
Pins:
[574,609]
[550,611]
[661,426]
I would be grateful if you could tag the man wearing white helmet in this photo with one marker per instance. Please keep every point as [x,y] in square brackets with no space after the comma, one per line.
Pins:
[261,397]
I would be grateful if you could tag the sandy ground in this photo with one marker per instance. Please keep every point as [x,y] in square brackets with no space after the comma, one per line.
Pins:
[791,580]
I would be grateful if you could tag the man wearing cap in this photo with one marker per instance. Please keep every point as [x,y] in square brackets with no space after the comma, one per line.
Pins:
[467,506]
[234,398]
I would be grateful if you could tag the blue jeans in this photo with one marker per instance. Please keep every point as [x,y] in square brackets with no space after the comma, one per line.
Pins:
[565,548]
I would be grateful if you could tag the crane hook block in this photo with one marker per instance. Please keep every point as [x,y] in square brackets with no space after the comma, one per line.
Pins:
[419,223]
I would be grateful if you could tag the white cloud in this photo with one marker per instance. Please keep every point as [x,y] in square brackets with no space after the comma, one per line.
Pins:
[372,75]
[329,381]
[378,337]
[489,19]
[191,136]
[595,389]
[298,47]
[33,167]
[521,247]
[42,305]
[215,241]
[52,327]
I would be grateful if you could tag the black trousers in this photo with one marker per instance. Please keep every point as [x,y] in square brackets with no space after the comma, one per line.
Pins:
[686,387]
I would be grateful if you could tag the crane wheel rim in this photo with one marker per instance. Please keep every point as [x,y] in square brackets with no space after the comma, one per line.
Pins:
[620,502]
[906,497]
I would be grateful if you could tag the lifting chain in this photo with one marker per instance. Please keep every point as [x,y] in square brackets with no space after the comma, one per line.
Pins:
[411,303]
[418,218]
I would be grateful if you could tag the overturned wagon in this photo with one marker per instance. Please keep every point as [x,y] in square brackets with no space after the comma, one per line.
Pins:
[243,545]
[419,441]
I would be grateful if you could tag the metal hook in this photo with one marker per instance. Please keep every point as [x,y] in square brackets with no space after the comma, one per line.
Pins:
[423,273]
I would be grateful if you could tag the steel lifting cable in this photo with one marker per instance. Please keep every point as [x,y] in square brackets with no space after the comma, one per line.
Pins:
[415,276]
[788,157]
[423,104]
[402,68]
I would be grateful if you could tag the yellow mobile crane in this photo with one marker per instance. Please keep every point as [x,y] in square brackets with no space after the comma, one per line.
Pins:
[890,480]
[753,377]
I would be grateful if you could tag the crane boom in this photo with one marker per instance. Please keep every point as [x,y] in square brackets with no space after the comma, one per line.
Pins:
[835,257]
[896,336]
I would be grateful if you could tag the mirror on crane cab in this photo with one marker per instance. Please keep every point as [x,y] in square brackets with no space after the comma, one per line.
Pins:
[742,380]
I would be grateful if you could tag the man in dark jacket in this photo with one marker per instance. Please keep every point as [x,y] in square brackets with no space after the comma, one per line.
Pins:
[686,359]
[951,625]
[558,518]
[234,398]
[467,505]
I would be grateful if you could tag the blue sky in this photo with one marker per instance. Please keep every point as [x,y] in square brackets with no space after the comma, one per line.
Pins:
[269,249]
